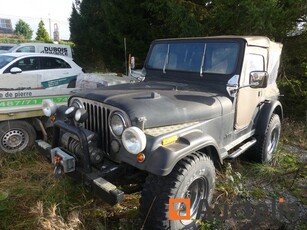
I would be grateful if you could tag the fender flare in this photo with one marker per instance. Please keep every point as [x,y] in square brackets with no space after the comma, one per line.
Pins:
[265,115]
[163,159]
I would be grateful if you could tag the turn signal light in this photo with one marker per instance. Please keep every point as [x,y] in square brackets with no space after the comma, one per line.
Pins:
[52,118]
[140,157]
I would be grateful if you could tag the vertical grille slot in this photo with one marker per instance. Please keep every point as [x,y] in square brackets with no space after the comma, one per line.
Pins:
[98,122]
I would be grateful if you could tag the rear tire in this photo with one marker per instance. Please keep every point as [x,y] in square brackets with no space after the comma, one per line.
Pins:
[267,143]
[16,136]
[193,177]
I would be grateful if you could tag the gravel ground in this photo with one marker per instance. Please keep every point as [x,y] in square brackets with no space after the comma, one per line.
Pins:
[280,209]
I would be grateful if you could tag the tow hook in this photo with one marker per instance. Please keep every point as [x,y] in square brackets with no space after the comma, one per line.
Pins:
[58,171]
[63,162]
[58,168]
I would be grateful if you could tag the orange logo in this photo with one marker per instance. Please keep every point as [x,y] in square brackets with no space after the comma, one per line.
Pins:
[174,213]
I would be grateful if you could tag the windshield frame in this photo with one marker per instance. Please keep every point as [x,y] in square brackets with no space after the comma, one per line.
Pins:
[230,48]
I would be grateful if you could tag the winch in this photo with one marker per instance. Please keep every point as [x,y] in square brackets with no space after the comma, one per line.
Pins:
[71,143]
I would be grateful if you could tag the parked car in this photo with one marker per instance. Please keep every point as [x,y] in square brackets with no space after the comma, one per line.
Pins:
[47,48]
[202,101]
[55,71]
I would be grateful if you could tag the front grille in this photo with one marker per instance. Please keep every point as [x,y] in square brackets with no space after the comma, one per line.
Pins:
[97,122]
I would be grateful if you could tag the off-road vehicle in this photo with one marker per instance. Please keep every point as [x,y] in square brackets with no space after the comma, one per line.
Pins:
[201,101]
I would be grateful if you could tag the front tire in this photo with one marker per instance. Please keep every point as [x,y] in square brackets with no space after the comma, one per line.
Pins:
[16,136]
[193,177]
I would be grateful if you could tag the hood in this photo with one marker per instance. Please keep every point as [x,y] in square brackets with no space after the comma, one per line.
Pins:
[162,103]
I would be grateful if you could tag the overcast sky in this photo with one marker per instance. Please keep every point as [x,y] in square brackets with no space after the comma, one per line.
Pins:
[32,11]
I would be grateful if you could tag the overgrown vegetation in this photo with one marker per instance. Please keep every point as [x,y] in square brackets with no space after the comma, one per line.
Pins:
[13,40]
[241,182]
[294,133]
[31,198]
[22,40]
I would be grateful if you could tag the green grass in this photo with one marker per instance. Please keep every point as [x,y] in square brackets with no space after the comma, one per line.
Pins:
[31,198]
[287,171]
[294,133]
[260,183]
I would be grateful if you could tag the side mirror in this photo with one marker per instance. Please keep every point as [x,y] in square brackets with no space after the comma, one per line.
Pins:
[15,70]
[258,79]
[132,62]
[139,75]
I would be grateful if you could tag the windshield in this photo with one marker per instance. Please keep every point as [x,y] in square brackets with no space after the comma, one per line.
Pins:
[5,59]
[5,47]
[217,58]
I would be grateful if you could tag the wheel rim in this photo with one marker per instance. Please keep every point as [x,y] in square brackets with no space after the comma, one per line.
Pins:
[273,140]
[14,140]
[197,191]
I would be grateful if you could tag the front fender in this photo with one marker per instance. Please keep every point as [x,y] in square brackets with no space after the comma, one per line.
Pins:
[164,158]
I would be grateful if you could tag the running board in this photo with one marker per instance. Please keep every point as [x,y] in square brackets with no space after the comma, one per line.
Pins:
[242,148]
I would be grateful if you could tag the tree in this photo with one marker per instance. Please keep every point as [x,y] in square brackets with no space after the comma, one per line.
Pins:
[177,18]
[42,34]
[293,80]
[23,28]
[98,28]
[104,25]
[275,19]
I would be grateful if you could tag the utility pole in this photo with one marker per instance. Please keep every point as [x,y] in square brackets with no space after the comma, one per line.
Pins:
[49,26]
[126,63]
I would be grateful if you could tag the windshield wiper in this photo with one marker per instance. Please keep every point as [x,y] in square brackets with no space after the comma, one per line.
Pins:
[202,61]
[166,59]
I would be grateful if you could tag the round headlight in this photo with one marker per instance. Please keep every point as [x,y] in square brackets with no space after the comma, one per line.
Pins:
[134,140]
[48,107]
[70,112]
[117,123]
[81,115]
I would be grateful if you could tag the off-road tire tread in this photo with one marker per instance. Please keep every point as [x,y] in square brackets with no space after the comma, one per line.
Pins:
[258,151]
[161,187]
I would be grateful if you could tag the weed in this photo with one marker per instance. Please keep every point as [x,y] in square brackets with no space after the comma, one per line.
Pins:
[303,226]
[3,200]
[229,183]
[31,192]
[51,220]
[207,225]
[294,133]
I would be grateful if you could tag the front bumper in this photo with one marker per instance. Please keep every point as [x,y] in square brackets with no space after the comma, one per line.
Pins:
[92,181]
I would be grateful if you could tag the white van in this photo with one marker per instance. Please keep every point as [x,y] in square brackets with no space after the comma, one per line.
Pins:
[48,48]
[4,47]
